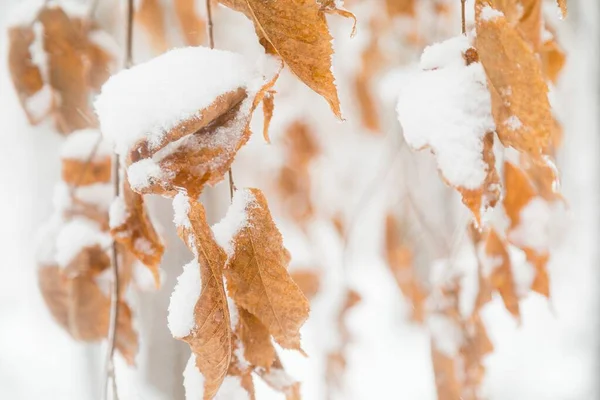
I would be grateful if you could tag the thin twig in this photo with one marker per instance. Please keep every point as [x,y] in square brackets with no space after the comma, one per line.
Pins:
[211,43]
[462,16]
[114,298]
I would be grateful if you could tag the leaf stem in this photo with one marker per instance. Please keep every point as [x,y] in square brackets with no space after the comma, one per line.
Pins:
[463,17]
[114,298]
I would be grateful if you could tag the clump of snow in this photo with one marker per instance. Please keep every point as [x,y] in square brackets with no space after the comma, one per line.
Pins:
[117,214]
[97,194]
[447,335]
[45,247]
[534,226]
[279,379]
[148,100]
[181,208]
[76,235]
[193,380]
[40,103]
[489,14]
[140,174]
[181,318]
[513,123]
[447,107]
[80,144]
[235,219]
[232,389]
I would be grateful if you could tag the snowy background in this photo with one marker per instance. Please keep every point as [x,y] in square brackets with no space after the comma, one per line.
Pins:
[552,355]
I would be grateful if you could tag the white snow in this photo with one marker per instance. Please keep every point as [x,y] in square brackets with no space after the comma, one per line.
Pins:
[143,278]
[40,103]
[117,214]
[523,272]
[80,144]
[513,123]
[181,208]
[148,100]
[449,110]
[181,318]
[193,380]
[27,10]
[98,194]
[447,335]
[489,14]
[76,235]
[534,226]
[235,219]
[140,174]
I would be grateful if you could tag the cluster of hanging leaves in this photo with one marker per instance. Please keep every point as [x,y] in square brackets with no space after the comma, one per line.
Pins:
[521,57]
[56,62]
[74,250]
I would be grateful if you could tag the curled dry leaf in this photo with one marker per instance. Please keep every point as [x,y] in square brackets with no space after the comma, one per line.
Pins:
[258,348]
[268,106]
[150,15]
[192,25]
[82,309]
[519,92]
[400,261]
[298,32]
[331,7]
[257,276]
[131,226]
[211,338]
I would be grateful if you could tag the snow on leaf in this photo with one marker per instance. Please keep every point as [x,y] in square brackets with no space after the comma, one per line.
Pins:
[298,32]
[257,276]
[211,338]
[517,86]
[136,232]
[446,107]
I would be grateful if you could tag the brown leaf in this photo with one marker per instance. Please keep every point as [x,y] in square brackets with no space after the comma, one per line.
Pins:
[298,32]
[65,46]
[330,7]
[149,14]
[258,349]
[519,92]
[101,61]
[257,276]
[136,231]
[308,280]
[89,261]
[446,379]
[25,75]
[501,277]
[211,338]
[192,25]
[553,59]
[400,261]
[400,7]
[519,192]
[82,309]
[86,172]
[530,22]
[268,106]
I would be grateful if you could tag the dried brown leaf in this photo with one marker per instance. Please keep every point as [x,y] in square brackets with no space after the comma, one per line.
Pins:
[150,15]
[298,32]
[257,276]
[309,281]
[400,261]
[501,277]
[211,338]
[258,348]
[562,4]
[400,7]
[268,107]
[192,25]
[330,7]
[86,172]
[136,232]
[519,92]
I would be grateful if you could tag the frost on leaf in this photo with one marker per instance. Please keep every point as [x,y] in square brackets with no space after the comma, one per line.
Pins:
[257,276]
[131,226]
[519,92]
[210,336]
[55,61]
[400,261]
[180,118]
[446,107]
[297,31]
